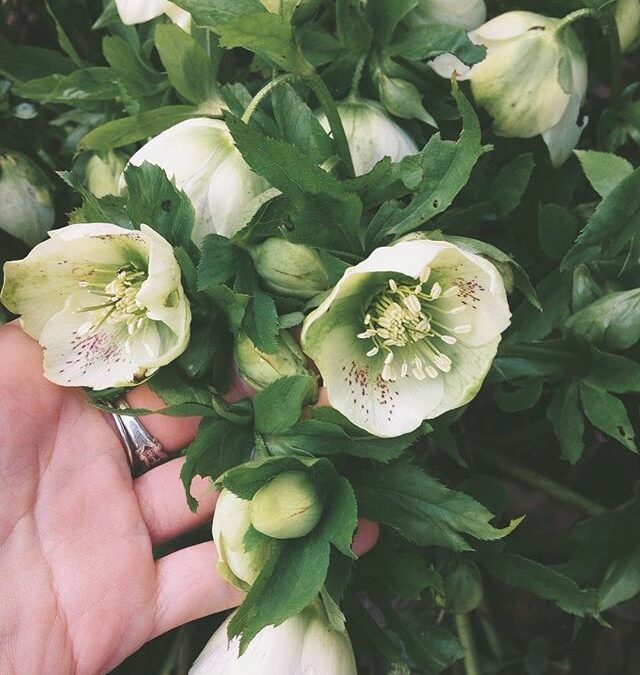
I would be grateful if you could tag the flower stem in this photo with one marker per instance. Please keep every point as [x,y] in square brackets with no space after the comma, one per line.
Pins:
[465,633]
[319,88]
[578,15]
[357,76]
[541,482]
[265,91]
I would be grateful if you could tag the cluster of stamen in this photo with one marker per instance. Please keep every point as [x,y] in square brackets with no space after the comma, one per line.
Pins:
[120,293]
[405,323]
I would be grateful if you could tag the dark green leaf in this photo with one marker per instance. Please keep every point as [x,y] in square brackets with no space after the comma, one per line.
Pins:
[603,169]
[217,261]
[567,419]
[607,413]
[87,84]
[426,42]
[510,183]
[278,406]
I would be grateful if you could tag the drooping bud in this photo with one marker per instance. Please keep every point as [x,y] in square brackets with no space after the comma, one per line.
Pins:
[463,590]
[26,210]
[231,522]
[304,643]
[105,174]
[260,369]
[371,134]
[292,270]
[287,507]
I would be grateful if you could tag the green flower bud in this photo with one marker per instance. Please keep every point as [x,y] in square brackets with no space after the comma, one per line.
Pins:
[238,564]
[611,322]
[260,369]
[463,590]
[628,21]
[104,175]
[287,507]
[27,210]
[292,270]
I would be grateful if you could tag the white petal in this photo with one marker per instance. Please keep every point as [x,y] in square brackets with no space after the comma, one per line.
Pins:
[371,135]
[564,136]
[446,65]
[179,16]
[139,11]
[509,25]
[463,381]
[38,286]
[103,357]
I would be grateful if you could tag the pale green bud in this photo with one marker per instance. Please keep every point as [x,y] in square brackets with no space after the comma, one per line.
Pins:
[26,210]
[292,270]
[104,175]
[287,507]
[463,589]
[260,369]
[628,22]
[231,522]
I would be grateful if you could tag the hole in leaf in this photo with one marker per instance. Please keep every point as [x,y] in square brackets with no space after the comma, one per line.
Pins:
[166,205]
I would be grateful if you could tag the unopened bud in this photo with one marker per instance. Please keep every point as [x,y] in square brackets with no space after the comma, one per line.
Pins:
[260,370]
[292,270]
[287,507]
[463,590]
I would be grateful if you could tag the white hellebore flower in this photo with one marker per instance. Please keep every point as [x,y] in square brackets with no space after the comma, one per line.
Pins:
[371,135]
[302,645]
[532,81]
[407,334]
[139,11]
[105,303]
[467,14]
[200,156]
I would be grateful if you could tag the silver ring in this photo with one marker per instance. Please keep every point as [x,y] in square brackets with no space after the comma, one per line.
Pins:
[142,449]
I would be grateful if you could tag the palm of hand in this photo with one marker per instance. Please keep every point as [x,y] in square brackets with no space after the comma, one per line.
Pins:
[80,589]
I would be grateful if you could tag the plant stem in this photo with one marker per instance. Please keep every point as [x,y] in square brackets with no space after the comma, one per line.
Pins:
[265,91]
[465,633]
[357,76]
[541,482]
[319,88]
[578,15]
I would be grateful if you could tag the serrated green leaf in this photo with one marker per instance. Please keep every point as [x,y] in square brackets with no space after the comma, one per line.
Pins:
[217,261]
[510,183]
[565,415]
[604,170]
[428,41]
[214,13]
[23,63]
[557,229]
[340,516]
[84,85]
[607,413]
[278,406]
[218,446]
[422,509]
[188,65]
[128,130]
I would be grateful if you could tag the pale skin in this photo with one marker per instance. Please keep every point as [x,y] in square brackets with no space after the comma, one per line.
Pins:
[79,587]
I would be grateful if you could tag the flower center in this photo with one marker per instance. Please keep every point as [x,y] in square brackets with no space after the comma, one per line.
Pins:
[120,293]
[407,322]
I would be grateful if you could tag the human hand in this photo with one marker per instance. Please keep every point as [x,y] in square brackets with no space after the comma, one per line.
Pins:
[80,588]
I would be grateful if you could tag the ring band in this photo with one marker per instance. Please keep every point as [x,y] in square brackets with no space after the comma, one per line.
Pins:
[142,449]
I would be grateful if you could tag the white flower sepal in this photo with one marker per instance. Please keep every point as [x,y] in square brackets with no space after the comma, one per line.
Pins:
[139,11]
[532,81]
[200,156]
[467,14]
[371,135]
[407,334]
[105,303]
[303,644]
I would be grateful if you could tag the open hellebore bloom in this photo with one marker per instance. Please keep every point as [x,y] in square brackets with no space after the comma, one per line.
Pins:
[199,154]
[139,11]
[532,81]
[371,134]
[467,14]
[302,645]
[26,210]
[407,334]
[105,303]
